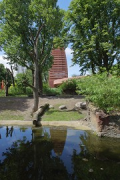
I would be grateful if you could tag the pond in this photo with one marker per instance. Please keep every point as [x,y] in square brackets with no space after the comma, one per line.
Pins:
[52,153]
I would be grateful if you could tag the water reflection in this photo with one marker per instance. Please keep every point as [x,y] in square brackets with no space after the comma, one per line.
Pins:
[57,154]
[58,138]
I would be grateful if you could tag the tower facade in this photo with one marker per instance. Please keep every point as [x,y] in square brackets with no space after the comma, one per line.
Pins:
[59,68]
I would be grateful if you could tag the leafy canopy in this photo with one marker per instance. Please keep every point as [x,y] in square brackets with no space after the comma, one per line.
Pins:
[94,33]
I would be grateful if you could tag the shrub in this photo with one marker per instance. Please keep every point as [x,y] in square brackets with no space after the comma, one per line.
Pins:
[103,91]
[51,91]
[15,90]
[69,87]
[29,91]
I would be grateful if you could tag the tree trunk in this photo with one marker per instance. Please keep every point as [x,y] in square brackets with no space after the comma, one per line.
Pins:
[36,86]
[105,59]
[6,89]
[40,83]
[36,80]
[12,76]
[32,77]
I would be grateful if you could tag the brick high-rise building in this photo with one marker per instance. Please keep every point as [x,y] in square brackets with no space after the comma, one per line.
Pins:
[59,68]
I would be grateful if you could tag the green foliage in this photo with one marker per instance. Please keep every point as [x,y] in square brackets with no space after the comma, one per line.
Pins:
[69,87]
[5,74]
[16,90]
[2,93]
[51,91]
[29,91]
[27,31]
[2,72]
[94,33]
[101,90]
[20,78]
[21,84]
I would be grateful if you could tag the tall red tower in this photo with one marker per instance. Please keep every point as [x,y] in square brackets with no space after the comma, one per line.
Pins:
[59,68]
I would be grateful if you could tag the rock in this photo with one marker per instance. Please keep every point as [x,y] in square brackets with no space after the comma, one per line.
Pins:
[62,107]
[81,105]
[84,105]
[100,134]
[51,107]
[78,105]
[84,159]
[90,170]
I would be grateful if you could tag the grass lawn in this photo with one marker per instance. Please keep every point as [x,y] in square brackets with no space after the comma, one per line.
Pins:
[51,115]
[56,115]
[10,115]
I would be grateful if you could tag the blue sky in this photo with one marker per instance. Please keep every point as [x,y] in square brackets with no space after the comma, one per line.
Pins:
[71,69]
[64,4]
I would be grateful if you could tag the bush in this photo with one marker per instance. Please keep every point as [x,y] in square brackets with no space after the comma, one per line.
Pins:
[29,91]
[69,87]
[103,91]
[15,90]
[51,91]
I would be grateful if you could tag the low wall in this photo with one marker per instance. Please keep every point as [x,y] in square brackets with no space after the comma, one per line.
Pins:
[103,124]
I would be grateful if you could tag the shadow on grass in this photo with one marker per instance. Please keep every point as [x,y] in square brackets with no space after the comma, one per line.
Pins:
[63,96]
[13,103]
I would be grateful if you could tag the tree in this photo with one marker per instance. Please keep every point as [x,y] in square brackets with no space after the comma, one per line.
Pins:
[7,76]
[27,32]
[94,33]
[2,72]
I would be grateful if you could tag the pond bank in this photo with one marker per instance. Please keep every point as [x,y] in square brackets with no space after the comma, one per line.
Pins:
[81,125]
[72,124]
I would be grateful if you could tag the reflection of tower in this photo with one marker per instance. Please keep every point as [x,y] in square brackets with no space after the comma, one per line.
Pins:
[59,68]
[58,138]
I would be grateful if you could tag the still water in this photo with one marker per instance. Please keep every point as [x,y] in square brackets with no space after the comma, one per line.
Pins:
[57,154]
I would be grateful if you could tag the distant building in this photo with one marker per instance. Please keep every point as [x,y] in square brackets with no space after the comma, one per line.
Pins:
[59,68]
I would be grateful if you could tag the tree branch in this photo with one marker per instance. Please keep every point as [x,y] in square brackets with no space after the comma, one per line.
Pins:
[37,35]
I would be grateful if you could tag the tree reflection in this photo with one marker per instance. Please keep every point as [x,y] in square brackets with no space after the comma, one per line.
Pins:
[96,160]
[9,131]
[58,137]
[32,160]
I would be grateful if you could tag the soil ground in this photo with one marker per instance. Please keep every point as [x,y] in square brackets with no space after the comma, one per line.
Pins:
[23,105]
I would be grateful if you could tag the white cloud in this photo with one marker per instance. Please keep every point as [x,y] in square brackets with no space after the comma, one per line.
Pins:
[72,70]
[69,52]
[4,61]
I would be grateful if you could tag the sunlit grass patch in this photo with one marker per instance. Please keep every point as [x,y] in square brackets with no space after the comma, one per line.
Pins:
[56,115]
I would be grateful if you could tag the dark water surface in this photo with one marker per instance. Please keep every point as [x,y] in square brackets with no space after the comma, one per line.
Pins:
[57,154]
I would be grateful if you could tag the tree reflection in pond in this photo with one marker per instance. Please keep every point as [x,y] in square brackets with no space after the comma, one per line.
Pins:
[57,154]
[96,159]
[32,160]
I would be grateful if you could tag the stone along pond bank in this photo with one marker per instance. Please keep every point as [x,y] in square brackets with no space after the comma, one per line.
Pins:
[96,120]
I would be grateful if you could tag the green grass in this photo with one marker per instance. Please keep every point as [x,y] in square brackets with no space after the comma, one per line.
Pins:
[10,115]
[56,115]
[2,93]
